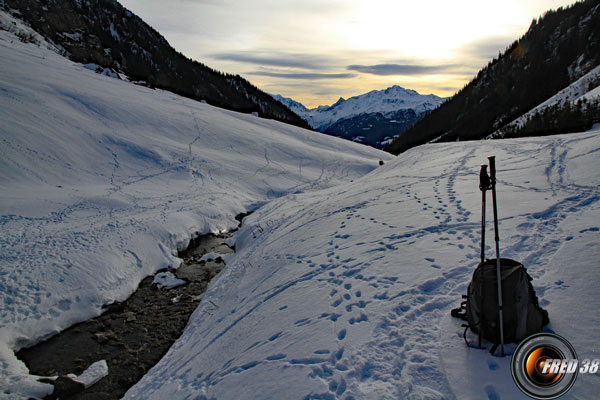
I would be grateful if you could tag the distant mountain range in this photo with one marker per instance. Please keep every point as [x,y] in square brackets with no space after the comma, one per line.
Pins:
[373,118]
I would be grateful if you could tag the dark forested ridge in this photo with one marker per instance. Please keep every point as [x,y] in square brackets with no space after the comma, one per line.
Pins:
[105,33]
[374,129]
[559,48]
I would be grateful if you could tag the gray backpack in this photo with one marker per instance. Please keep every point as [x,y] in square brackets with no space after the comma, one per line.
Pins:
[523,315]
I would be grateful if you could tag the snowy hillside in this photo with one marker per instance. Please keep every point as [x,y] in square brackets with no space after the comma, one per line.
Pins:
[583,88]
[108,34]
[392,99]
[102,181]
[346,292]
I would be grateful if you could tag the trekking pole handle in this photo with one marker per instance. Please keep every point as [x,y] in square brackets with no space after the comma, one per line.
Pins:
[492,169]
[484,179]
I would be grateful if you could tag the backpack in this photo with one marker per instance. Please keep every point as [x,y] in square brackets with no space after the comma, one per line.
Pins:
[523,315]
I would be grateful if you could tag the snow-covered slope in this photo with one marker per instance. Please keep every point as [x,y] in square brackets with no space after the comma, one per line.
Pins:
[346,293]
[583,88]
[103,180]
[392,99]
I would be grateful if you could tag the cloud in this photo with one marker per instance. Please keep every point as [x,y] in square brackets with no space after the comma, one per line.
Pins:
[327,89]
[302,75]
[301,66]
[402,69]
[485,48]
[277,59]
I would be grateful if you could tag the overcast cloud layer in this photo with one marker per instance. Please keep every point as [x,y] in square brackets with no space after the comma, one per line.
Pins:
[315,51]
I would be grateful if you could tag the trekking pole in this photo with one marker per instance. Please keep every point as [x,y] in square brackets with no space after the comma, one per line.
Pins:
[484,185]
[497,238]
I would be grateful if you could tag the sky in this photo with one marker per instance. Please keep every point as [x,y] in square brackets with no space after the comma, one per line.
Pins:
[317,51]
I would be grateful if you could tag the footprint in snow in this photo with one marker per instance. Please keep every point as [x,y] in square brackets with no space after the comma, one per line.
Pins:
[276,357]
[493,365]
[491,392]
[302,322]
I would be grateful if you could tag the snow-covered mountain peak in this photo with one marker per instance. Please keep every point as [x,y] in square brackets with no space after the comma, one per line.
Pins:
[392,99]
[341,100]
[399,90]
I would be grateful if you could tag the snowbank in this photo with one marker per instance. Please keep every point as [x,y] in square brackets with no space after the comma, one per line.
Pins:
[345,293]
[102,181]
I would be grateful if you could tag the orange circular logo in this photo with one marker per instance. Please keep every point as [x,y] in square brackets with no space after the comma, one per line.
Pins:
[544,366]
[535,363]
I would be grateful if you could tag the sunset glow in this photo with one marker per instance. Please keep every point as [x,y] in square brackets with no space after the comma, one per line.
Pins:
[316,52]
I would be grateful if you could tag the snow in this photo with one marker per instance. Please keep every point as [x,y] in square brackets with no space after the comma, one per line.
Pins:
[347,293]
[389,140]
[210,256]
[115,33]
[591,95]
[103,180]
[76,36]
[392,99]
[167,280]
[20,30]
[93,374]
